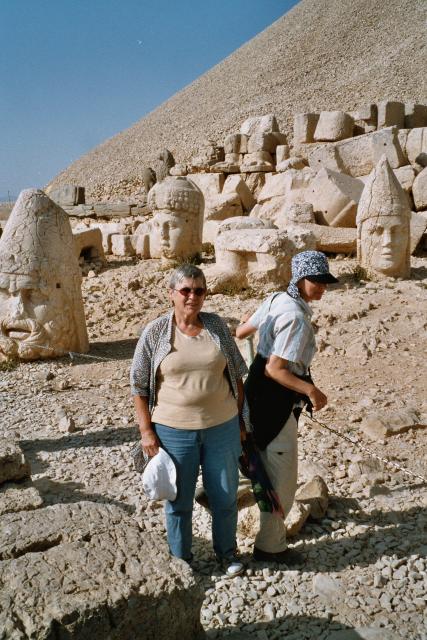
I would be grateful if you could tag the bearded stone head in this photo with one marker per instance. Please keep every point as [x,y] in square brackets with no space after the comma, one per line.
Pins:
[41,308]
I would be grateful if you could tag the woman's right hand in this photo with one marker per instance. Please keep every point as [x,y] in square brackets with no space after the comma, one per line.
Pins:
[317,398]
[150,442]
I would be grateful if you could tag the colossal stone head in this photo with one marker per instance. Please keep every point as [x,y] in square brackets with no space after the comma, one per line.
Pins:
[41,308]
[383,219]
[176,227]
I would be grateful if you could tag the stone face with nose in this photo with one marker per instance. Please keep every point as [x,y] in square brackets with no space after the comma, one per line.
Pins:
[383,219]
[41,308]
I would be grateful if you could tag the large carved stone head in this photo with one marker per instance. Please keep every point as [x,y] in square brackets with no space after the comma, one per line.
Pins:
[176,227]
[383,219]
[41,308]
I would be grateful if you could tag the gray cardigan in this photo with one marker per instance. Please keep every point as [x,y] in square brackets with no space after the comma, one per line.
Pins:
[156,342]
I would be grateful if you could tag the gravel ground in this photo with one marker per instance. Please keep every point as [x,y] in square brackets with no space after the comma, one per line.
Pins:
[365,561]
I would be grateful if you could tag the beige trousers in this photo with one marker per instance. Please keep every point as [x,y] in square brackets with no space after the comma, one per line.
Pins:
[280,459]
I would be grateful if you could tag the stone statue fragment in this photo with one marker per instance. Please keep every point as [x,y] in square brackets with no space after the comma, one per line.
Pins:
[175,231]
[41,307]
[383,219]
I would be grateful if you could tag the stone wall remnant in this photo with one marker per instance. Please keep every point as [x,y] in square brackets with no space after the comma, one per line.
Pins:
[41,307]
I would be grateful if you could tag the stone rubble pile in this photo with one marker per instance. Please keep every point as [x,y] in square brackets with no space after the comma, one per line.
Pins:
[315,181]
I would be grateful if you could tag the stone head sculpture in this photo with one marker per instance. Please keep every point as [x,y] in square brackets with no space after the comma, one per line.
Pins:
[176,227]
[383,218]
[41,308]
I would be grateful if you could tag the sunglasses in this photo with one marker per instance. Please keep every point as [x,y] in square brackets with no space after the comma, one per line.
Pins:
[185,291]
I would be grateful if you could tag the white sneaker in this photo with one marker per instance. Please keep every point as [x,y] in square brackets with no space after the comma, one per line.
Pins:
[233,567]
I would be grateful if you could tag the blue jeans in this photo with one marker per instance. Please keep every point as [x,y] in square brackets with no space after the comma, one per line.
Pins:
[216,450]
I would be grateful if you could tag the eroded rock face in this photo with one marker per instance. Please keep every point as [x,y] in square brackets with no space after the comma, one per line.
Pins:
[41,308]
[176,228]
[87,571]
[383,217]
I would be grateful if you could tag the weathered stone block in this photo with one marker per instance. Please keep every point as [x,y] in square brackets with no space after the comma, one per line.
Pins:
[386,142]
[67,195]
[19,497]
[13,465]
[296,162]
[324,156]
[391,114]
[419,190]
[333,126]
[121,245]
[282,153]
[406,177]
[236,143]
[235,184]
[334,197]
[418,226]
[54,557]
[416,146]
[257,161]
[112,209]
[304,127]
[415,115]
[261,124]
[334,239]
[88,243]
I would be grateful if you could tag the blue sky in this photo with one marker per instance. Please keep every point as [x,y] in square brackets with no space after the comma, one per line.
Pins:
[76,72]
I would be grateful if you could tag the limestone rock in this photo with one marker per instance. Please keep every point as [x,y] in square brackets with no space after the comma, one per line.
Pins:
[333,126]
[416,146]
[294,214]
[254,257]
[379,426]
[406,177]
[419,190]
[333,239]
[209,154]
[364,633]
[391,113]
[86,548]
[282,153]
[387,142]
[304,127]
[418,227]
[235,184]
[415,115]
[122,245]
[314,493]
[88,243]
[296,518]
[67,195]
[260,124]
[257,161]
[296,162]
[335,197]
[19,497]
[13,465]
[236,143]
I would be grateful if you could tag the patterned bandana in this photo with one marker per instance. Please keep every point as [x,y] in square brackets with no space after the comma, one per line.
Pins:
[307,263]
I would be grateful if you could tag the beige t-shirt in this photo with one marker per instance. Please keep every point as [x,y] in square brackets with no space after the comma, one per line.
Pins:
[192,389]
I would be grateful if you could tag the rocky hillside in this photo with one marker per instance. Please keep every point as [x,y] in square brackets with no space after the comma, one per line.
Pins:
[323,54]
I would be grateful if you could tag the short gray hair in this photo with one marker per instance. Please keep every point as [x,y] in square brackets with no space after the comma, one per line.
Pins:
[186,271]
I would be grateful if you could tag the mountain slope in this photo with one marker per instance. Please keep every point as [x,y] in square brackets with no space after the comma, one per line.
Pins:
[323,54]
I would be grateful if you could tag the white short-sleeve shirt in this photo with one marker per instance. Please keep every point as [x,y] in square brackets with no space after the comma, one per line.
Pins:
[285,330]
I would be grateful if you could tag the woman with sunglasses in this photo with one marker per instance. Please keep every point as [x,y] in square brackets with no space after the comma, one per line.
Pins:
[186,379]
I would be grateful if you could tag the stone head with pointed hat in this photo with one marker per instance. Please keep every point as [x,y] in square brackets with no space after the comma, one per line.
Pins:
[176,227]
[383,219]
[41,307]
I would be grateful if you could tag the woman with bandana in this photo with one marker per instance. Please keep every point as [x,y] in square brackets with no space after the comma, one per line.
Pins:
[279,385]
